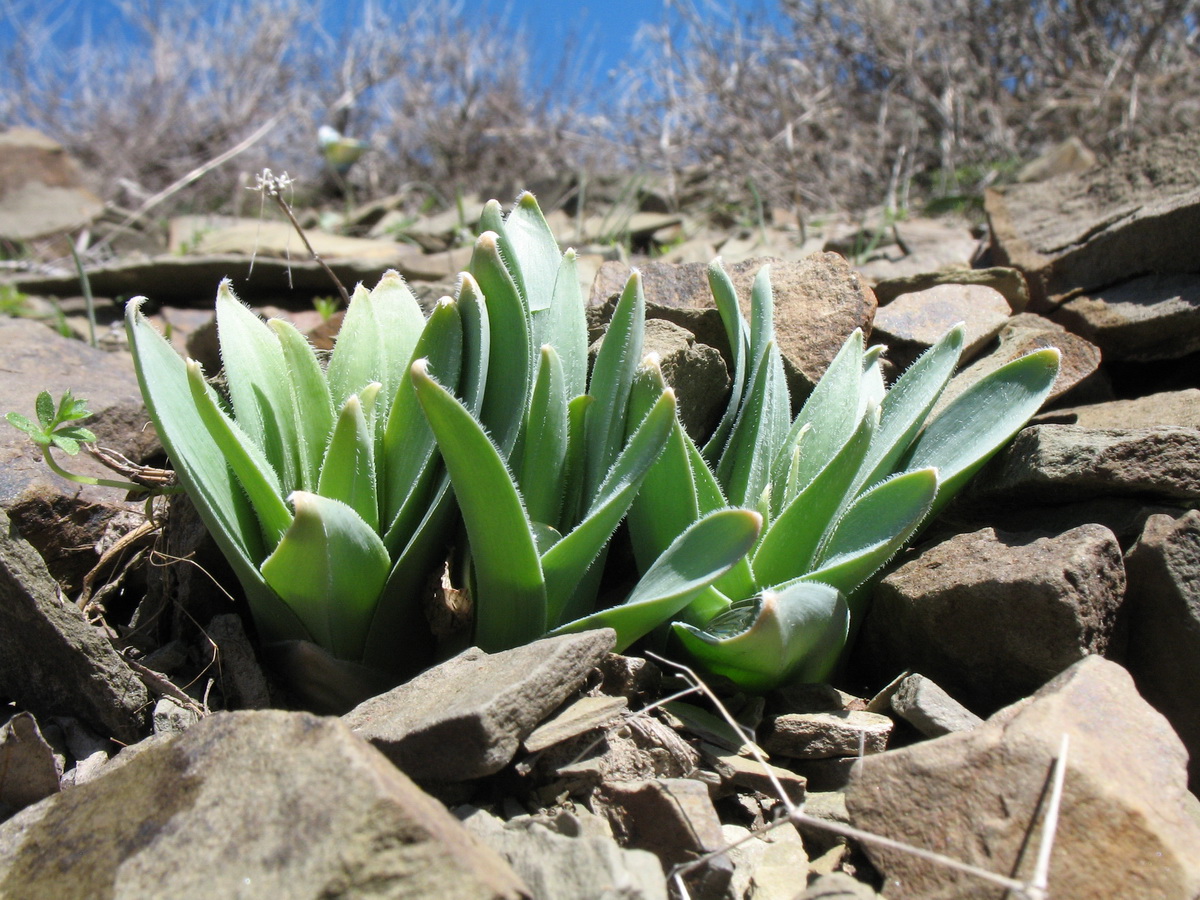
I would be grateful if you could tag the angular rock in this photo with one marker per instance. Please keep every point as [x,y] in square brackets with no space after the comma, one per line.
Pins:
[1063,463]
[52,662]
[172,717]
[825,807]
[992,616]
[696,372]
[1135,215]
[826,734]
[241,678]
[766,866]
[912,323]
[674,819]
[62,519]
[482,705]
[749,774]
[1148,318]
[557,860]
[980,797]
[929,709]
[819,301]
[268,803]
[1072,155]
[1165,408]
[1009,282]
[1024,334]
[41,188]
[641,748]
[1163,609]
[28,771]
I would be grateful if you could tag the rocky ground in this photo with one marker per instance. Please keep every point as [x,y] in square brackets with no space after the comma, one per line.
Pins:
[1047,625]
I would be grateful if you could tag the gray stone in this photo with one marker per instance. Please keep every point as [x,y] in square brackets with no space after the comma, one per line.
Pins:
[62,519]
[263,804]
[912,323]
[52,662]
[570,866]
[1047,464]
[1165,408]
[748,773]
[1163,609]
[675,820]
[825,807]
[483,705]
[768,865]
[825,734]
[584,715]
[929,709]
[1137,214]
[696,372]
[41,188]
[28,770]
[819,301]
[172,717]
[1069,156]
[992,616]
[1149,318]
[980,797]
[241,678]
[1009,282]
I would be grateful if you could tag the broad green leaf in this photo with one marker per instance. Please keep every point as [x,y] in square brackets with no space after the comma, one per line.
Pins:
[510,602]
[906,406]
[348,472]
[401,324]
[510,361]
[544,449]
[329,568]
[706,549]
[745,468]
[569,560]
[44,406]
[476,342]
[249,463]
[612,378]
[204,472]
[564,326]
[310,400]
[793,635]
[574,462]
[791,540]
[737,333]
[358,354]
[260,390]
[492,218]
[408,462]
[534,249]
[877,524]
[982,419]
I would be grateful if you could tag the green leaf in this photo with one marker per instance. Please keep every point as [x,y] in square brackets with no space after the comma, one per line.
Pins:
[71,409]
[745,467]
[476,342]
[348,472]
[982,419]
[738,335]
[251,466]
[492,218]
[204,472]
[259,386]
[694,560]
[564,326]
[510,363]
[568,561]
[612,379]
[65,443]
[311,401]
[329,568]
[401,324]
[793,635]
[545,446]
[877,524]
[534,248]
[510,601]
[44,406]
[19,421]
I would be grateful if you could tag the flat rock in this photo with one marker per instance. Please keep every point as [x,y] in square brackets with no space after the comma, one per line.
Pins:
[912,323]
[824,734]
[819,301]
[1134,215]
[924,705]
[768,865]
[979,797]
[41,188]
[558,860]
[1062,463]
[1163,608]
[1144,319]
[1009,282]
[992,616]
[62,519]
[481,705]
[264,804]
[1164,408]
[52,662]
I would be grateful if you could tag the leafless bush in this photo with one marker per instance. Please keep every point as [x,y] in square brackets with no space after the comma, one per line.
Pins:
[443,98]
[850,101]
